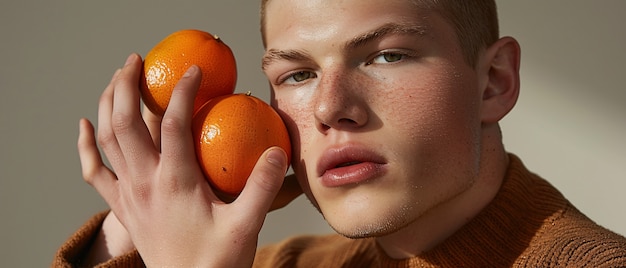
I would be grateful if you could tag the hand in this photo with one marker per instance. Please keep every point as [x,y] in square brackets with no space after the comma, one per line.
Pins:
[157,190]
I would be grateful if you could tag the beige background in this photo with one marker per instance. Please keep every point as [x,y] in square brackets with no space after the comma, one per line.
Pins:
[57,56]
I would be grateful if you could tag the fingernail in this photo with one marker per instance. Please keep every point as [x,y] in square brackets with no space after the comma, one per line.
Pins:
[192,70]
[276,157]
[130,59]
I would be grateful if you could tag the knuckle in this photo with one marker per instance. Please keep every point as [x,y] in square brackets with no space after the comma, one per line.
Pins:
[268,180]
[106,94]
[172,186]
[105,137]
[172,125]
[83,144]
[141,189]
[121,122]
[88,176]
[92,174]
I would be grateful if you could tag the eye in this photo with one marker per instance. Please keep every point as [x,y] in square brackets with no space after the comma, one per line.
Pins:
[387,57]
[297,77]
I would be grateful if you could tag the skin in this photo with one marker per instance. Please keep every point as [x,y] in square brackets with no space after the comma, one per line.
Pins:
[164,208]
[394,135]
[395,94]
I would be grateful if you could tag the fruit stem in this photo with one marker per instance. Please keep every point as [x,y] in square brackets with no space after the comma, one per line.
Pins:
[249,93]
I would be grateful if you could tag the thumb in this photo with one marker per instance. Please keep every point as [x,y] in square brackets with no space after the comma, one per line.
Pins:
[264,181]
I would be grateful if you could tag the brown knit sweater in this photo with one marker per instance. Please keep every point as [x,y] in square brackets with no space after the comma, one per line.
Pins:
[528,224]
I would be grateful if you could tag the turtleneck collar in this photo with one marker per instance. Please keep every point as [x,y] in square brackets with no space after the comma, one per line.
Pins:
[502,231]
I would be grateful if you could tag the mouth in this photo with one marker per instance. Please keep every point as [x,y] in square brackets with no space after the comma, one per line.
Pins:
[349,164]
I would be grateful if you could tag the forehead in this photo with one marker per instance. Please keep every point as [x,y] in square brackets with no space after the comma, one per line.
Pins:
[326,20]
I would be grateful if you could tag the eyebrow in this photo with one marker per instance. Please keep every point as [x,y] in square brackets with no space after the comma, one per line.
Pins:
[361,40]
[275,54]
[384,30]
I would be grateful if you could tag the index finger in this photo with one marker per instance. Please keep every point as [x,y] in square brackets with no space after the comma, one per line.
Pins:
[126,120]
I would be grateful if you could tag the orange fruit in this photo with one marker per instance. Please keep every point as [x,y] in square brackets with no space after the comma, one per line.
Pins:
[230,134]
[166,63]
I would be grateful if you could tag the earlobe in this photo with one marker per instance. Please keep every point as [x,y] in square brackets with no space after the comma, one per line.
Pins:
[501,89]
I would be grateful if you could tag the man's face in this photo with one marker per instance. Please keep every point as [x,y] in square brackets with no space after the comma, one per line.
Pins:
[382,109]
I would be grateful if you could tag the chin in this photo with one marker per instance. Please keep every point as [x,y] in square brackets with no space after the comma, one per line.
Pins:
[364,219]
[363,229]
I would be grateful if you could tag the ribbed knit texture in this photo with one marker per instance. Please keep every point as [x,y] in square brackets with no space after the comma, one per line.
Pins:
[71,253]
[528,224]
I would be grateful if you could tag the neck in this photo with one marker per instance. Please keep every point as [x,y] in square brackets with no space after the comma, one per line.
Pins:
[441,222]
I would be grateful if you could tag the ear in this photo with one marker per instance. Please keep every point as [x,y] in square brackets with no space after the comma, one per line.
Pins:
[500,70]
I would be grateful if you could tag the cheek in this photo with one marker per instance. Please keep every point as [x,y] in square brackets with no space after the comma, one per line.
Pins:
[298,120]
[436,116]
[427,110]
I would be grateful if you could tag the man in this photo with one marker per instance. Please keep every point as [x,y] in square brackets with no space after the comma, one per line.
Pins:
[393,110]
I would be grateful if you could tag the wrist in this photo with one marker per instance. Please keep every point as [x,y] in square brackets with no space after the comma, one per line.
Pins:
[111,241]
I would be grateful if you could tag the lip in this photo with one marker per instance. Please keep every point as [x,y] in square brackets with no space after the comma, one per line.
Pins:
[349,164]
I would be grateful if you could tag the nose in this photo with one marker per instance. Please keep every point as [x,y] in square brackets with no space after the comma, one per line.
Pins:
[340,103]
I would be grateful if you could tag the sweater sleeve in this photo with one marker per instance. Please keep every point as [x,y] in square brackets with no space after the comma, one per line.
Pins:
[75,248]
